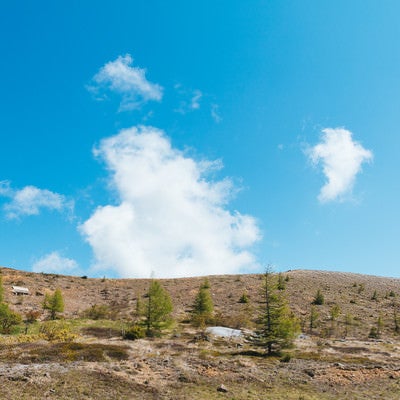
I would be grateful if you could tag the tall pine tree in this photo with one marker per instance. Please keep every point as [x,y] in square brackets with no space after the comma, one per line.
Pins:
[278,325]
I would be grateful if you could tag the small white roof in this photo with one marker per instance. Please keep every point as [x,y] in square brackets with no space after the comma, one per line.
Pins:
[20,289]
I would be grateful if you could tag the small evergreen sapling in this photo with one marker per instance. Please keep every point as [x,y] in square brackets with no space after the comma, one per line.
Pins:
[244,298]
[158,309]
[203,306]
[54,303]
[319,298]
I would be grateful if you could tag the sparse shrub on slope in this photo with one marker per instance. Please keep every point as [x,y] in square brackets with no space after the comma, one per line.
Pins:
[134,332]
[57,331]
[244,298]
[97,311]
[8,318]
[319,299]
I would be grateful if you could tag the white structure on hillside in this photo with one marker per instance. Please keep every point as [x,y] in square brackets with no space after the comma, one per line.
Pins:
[20,290]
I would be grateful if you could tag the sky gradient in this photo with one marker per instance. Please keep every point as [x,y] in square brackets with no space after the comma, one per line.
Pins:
[192,138]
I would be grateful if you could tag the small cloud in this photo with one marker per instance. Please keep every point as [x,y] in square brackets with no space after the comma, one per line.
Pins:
[119,76]
[172,217]
[30,200]
[341,158]
[55,263]
[194,104]
[215,114]
[5,188]
[190,101]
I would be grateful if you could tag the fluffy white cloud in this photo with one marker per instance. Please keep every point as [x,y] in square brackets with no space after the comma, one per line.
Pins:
[130,82]
[341,158]
[171,218]
[55,263]
[30,200]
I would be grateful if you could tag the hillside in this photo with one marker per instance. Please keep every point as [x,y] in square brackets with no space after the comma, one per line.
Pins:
[336,359]
[352,292]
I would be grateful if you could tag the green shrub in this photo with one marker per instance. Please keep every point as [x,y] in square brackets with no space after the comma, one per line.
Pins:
[8,318]
[135,332]
[373,333]
[244,298]
[57,331]
[319,298]
[32,316]
[97,311]
[286,358]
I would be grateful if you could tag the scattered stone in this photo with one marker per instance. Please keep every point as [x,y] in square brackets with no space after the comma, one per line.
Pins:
[339,365]
[222,388]
[310,372]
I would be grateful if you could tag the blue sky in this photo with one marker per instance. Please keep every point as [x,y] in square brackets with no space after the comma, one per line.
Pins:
[188,138]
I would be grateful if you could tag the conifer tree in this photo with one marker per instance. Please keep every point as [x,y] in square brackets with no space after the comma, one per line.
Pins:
[203,306]
[158,309]
[54,303]
[279,326]
[319,298]
[281,282]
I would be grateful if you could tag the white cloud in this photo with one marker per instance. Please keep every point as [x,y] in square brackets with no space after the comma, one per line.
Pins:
[130,82]
[171,218]
[55,263]
[341,158]
[215,114]
[30,200]
[195,102]
[191,101]
[5,188]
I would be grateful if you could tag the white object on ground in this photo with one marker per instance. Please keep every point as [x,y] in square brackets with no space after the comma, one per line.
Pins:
[223,331]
